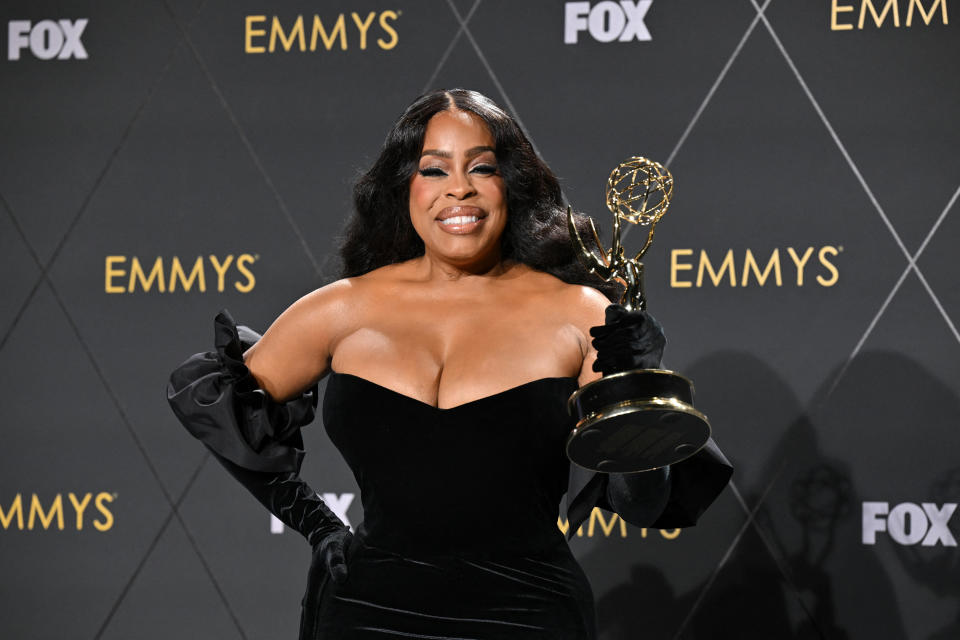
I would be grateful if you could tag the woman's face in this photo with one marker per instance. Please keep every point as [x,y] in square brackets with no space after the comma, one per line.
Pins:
[458,202]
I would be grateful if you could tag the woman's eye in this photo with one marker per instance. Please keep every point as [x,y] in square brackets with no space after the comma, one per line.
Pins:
[485,169]
[432,172]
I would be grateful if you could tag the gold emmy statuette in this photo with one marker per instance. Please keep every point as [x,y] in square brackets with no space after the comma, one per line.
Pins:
[642,419]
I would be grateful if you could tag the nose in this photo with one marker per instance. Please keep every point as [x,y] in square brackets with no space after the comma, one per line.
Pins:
[460,186]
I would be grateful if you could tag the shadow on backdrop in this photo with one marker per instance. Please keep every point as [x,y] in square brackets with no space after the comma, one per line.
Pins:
[914,439]
[938,569]
[782,578]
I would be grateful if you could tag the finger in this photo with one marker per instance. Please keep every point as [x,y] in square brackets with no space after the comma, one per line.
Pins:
[338,571]
[614,313]
[337,563]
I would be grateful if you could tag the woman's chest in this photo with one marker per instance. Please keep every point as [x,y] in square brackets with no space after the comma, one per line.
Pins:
[446,355]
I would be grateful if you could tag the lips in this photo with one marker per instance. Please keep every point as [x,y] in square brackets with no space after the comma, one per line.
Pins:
[461,211]
[461,219]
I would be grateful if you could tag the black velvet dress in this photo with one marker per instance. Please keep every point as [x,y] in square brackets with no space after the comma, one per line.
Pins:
[459,538]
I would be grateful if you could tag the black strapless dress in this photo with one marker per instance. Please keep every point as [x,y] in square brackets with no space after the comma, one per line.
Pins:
[459,537]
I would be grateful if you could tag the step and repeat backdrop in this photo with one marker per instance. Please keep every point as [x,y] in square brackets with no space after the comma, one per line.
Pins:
[164,159]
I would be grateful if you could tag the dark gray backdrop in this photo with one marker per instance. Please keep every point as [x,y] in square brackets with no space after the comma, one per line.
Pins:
[784,130]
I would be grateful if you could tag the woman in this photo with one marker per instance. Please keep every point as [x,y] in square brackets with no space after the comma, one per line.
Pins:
[451,347]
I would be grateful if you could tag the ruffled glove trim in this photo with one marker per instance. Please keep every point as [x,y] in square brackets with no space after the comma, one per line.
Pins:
[219,402]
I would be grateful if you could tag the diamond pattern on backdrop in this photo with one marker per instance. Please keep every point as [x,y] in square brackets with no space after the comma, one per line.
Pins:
[937,258]
[752,330]
[19,271]
[64,434]
[333,126]
[904,117]
[79,114]
[172,577]
[595,104]
[893,436]
[292,174]
[263,586]
[897,74]
[183,182]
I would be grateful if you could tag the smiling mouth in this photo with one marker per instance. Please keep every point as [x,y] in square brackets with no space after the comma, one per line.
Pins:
[456,220]
[462,213]
[461,219]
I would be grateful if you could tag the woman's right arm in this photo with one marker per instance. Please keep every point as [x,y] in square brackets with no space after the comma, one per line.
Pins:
[250,419]
[295,351]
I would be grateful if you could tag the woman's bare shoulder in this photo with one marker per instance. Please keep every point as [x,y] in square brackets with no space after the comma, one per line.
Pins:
[582,303]
[324,315]
[345,303]
[295,351]
[587,305]
[333,297]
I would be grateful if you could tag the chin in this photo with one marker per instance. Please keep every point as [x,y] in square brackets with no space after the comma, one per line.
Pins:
[463,255]
[463,247]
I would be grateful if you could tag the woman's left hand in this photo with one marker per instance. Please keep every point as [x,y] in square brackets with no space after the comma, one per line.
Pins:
[628,340]
[639,498]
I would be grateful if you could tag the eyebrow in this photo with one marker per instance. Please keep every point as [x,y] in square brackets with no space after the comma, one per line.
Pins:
[473,151]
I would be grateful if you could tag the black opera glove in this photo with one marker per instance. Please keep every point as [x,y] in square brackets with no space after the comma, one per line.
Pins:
[632,340]
[638,498]
[256,439]
[298,506]
[628,340]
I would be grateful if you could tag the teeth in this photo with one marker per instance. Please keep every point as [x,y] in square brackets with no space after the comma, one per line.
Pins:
[459,220]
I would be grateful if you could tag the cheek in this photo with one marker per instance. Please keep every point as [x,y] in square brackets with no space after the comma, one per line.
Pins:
[501,197]
[420,195]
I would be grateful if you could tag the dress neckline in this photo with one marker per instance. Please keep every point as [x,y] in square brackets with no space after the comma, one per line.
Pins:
[463,405]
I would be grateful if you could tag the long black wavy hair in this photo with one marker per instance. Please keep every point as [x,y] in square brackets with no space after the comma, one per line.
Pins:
[380,232]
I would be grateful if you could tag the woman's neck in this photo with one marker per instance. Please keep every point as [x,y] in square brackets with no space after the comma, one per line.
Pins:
[435,268]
